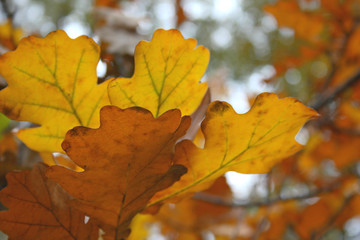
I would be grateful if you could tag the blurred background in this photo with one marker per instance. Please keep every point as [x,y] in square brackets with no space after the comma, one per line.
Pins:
[308,49]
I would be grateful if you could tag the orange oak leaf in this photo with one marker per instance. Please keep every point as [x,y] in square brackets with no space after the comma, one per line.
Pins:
[55,87]
[247,143]
[167,74]
[125,161]
[38,209]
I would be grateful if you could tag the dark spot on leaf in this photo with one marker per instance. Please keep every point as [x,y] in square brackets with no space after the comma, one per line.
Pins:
[219,107]
[66,146]
[78,131]
[73,132]
[6,111]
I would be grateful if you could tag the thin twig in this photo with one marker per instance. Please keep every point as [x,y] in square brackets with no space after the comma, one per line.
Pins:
[323,101]
[319,234]
[220,201]
[348,131]
[338,55]
[6,8]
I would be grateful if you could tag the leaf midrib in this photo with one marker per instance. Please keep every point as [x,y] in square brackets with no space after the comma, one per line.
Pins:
[227,164]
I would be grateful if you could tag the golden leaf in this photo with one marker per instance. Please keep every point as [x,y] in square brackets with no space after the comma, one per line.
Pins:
[247,143]
[167,74]
[52,82]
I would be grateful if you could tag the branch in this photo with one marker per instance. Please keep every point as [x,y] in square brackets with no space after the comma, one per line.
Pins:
[323,101]
[348,131]
[319,234]
[6,8]
[339,54]
[201,196]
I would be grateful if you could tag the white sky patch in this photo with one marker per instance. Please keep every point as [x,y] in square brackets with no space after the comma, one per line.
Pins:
[352,227]
[238,96]
[242,184]
[303,136]
[165,11]
[101,69]
[76,29]
[224,9]
[196,9]
[86,219]
[221,37]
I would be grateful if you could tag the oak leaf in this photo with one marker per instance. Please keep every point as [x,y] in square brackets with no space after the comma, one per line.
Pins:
[38,209]
[246,143]
[55,87]
[167,74]
[126,161]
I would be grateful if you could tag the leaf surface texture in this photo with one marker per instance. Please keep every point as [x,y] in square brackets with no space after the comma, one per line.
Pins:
[126,161]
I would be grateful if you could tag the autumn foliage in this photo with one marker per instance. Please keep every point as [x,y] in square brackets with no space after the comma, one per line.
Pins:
[120,155]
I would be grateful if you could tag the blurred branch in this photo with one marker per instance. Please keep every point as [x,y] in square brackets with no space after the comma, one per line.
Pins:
[332,220]
[201,196]
[259,228]
[348,131]
[324,101]
[6,8]
[338,55]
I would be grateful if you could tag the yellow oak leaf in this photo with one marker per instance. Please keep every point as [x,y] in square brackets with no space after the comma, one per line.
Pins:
[52,82]
[247,143]
[167,74]
[125,161]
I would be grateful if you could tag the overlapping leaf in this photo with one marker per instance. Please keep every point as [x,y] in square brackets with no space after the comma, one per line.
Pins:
[52,82]
[246,143]
[38,209]
[167,74]
[126,161]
